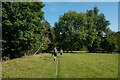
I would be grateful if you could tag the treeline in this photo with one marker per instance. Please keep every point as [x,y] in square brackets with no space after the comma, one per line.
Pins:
[86,31]
[25,31]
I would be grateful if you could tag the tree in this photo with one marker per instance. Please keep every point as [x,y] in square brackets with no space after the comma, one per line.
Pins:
[109,42]
[49,35]
[74,31]
[118,40]
[69,30]
[22,28]
[97,25]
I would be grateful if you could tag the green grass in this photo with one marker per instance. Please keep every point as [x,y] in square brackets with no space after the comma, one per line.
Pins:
[71,65]
[37,66]
[88,66]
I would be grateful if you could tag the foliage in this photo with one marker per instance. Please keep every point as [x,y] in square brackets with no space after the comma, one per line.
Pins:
[75,31]
[109,42]
[97,25]
[69,30]
[22,28]
[49,34]
[118,40]
[25,31]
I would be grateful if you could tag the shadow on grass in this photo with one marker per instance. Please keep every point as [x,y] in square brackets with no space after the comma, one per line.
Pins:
[87,52]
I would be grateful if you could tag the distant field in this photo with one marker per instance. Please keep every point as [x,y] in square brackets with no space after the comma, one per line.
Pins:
[70,65]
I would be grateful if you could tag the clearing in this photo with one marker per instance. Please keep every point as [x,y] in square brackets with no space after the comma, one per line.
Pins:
[70,65]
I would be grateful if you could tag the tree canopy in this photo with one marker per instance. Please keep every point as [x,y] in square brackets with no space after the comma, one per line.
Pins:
[81,31]
[23,30]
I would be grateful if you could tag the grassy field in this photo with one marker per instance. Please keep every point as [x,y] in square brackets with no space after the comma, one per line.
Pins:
[70,65]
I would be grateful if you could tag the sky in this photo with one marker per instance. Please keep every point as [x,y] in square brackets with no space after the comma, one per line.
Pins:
[53,10]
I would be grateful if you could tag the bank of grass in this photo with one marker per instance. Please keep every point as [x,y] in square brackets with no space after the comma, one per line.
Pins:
[36,66]
[86,65]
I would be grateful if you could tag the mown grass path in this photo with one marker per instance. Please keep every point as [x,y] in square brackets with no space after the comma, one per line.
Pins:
[88,66]
[68,66]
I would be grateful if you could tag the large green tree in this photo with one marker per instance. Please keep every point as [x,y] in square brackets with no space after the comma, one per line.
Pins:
[109,42]
[75,31]
[23,30]
[70,31]
[97,26]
